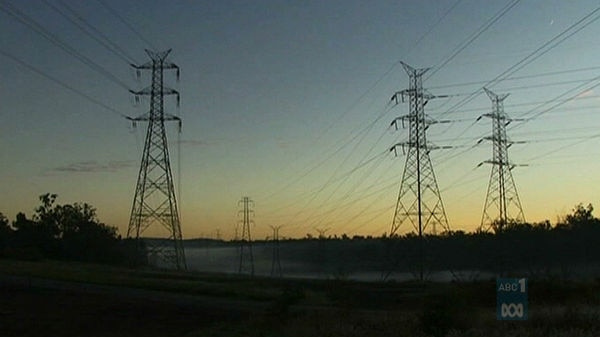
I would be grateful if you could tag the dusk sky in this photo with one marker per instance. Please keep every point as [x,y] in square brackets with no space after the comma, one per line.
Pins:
[288,103]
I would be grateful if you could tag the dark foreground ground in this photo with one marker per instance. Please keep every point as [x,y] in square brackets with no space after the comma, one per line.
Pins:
[56,299]
[46,312]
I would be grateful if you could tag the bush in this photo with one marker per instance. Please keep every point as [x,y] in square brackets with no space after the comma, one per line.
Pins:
[23,253]
[442,313]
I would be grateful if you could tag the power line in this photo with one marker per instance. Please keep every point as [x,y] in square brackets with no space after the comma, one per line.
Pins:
[455,4]
[127,24]
[532,86]
[552,140]
[553,73]
[35,26]
[515,78]
[527,103]
[332,178]
[380,195]
[91,31]
[566,162]
[474,36]
[546,47]
[534,55]
[422,37]
[311,195]
[565,146]
[61,83]
[378,212]
[354,187]
[549,45]
[341,144]
[342,204]
[336,207]
[559,102]
[361,163]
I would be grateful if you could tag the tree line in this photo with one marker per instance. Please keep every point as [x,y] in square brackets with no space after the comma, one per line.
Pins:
[66,232]
[569,248]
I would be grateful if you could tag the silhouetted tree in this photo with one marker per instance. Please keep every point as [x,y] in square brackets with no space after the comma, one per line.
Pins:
[71,232]
[3,221]
[542,226]
[33,239]
[82,236]
[5,233]
[582,217]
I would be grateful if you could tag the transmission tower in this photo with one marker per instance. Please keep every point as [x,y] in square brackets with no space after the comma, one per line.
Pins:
[154,203]
[502,204]
[419,200]
[246,256]
[322,232]
[276,261]
[320,253]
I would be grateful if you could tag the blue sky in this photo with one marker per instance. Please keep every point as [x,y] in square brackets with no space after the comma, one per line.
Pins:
[288,103]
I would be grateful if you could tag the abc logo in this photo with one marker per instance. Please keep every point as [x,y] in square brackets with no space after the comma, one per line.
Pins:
[511,310]
[515,286]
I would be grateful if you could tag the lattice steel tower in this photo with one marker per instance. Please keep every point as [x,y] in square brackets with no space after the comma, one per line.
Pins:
[276,261]
[154,203]
[419,200]
[502,204]
[246,256]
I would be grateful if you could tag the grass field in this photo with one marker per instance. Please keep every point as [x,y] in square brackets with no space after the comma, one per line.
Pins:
[145,302]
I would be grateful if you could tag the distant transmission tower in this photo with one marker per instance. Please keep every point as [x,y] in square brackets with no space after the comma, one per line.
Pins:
[322,232]
[321,255]
[276,261]
[154,203]
[502,203]
[419,200]
[246,256]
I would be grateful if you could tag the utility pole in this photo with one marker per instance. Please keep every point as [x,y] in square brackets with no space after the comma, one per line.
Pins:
[246,239]
[276,261]
[154,204]
[502,204]
[419,201]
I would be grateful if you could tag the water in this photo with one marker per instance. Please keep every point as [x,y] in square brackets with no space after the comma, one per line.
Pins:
[225,259]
